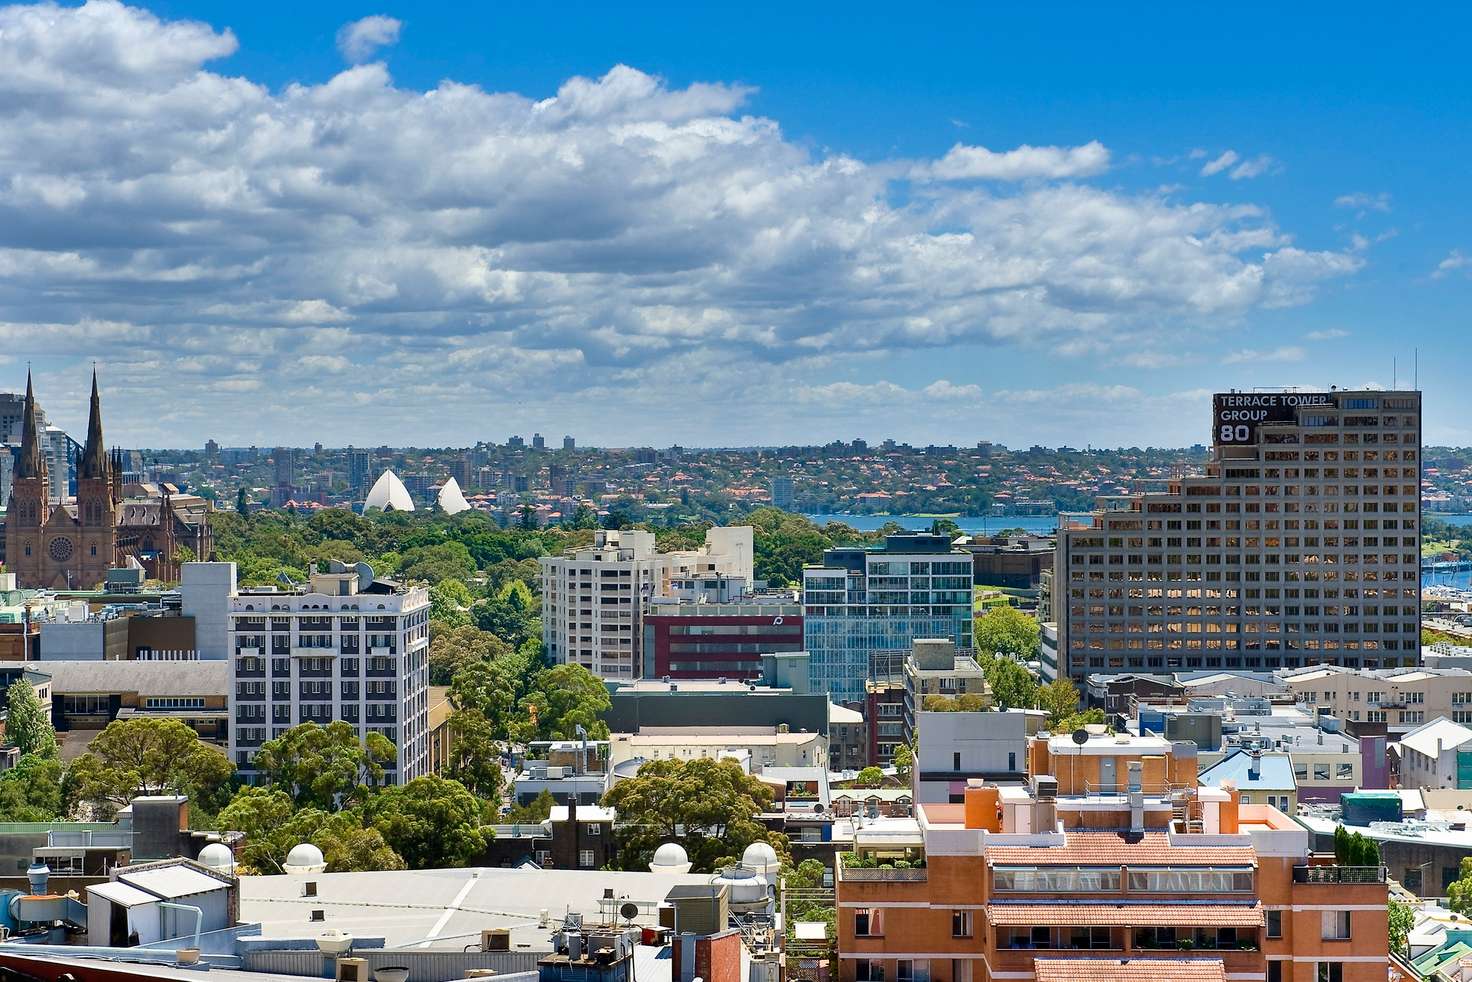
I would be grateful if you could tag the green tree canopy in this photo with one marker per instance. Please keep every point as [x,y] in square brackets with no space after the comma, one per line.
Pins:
[1013,685]
[433,822]
[27,724]
[1008,631]
[709,806]
[449,603]
[1060,698]
[31,791]
[273,825]
[147,756]
[475,754]
[451,648]
[325,766]
[566,696]
[869,777]
[1400,918]
[904,762]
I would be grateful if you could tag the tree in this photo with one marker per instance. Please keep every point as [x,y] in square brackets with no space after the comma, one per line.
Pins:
[27,725]
[904,761]
[1060,698]
[449,603]
[869,777]
[273,825]
[451,648]
[492,689]
[1012,685]
[242,503]
[1459,892]
[966,702]
[31,791]
[584,518]
[1400,918]
[944,526]
[534,812]
[710,806]
[146,756]
[1008,631]
[325,766]
[475,756]
[433,822]
[562,698]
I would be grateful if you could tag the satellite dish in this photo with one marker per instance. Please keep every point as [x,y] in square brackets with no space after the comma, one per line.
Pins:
[1080,736]
[365,575]
[628,910]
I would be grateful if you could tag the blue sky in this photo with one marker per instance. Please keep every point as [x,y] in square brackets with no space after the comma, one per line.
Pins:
[1060,225]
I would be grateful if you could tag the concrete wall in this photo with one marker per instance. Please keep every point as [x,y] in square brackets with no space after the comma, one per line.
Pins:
[991,745]
[203,591]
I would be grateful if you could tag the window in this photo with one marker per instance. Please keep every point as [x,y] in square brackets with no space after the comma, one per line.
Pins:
[1274,923]
[869,970]
[1330,972]
[955,761]
[1275,972]
[906,970]
[868,922]
[960,923]
[1336,925]
[586,859]
[1321,772]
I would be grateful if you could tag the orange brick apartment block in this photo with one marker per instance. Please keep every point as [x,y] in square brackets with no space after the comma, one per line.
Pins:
[1111,864]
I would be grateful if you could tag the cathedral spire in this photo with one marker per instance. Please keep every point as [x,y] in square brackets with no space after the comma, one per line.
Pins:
[94,457]
[31,463]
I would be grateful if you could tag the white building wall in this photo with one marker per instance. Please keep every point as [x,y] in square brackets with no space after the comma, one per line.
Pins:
[369,666]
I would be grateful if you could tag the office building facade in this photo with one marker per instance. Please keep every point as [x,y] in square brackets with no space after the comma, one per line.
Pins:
[343,647]
[1300,544]
[717,640]
[864,608]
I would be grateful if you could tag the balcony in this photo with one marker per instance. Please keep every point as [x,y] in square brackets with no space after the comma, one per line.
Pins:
[872,868]
[1339,874]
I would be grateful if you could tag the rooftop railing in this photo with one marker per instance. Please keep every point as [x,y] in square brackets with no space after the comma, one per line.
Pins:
[1339,874]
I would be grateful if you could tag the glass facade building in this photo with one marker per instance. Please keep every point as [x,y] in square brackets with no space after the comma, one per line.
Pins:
[864,608]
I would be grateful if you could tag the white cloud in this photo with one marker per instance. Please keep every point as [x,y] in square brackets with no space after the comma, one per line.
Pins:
[1364,202]
[964,162]
[483,255]
[360,40]
[1218,164]
[1455,260]
[1255,167]
[1257,356]
[1330,334]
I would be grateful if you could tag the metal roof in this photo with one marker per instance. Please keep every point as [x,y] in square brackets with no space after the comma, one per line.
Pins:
[149,678]
[172,881]
[122,894]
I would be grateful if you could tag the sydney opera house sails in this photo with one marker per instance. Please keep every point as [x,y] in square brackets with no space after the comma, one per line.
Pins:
[389,494]
[452,501]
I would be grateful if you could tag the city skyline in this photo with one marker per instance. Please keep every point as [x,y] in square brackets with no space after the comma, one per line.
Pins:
[426,228]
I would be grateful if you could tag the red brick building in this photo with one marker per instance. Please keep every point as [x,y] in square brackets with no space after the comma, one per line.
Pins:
[717,640]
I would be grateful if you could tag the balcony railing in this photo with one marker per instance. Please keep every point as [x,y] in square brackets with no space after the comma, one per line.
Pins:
[1339,874]
[884,875]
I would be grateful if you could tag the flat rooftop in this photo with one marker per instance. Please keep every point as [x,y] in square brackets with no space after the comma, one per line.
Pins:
[446,908]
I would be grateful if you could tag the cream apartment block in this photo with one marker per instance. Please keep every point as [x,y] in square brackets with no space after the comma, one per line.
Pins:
[593,599]
[1402,699]
[1300,544]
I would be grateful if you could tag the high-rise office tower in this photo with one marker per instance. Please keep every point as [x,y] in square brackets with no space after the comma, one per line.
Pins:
[864,608]
[782,493]
[360,469]
[1300,544]
[539,442]
[568,443]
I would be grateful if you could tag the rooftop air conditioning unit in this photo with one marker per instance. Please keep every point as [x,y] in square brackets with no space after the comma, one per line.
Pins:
[495,939]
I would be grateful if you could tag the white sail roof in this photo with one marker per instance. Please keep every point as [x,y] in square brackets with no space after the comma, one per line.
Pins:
[452,500]
[389,494]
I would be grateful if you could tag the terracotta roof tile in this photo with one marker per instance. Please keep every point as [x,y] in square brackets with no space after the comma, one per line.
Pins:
[1126,915]
[1129,969]
[1121,849]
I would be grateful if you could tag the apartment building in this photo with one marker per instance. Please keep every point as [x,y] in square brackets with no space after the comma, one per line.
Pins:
[1402,699]
[593,599]
[344,646]
[717,640]
[864,608]
[1300,544]
[1110,863]
[937,668]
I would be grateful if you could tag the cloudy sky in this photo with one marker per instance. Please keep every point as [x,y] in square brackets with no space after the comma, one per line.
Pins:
[296,222]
